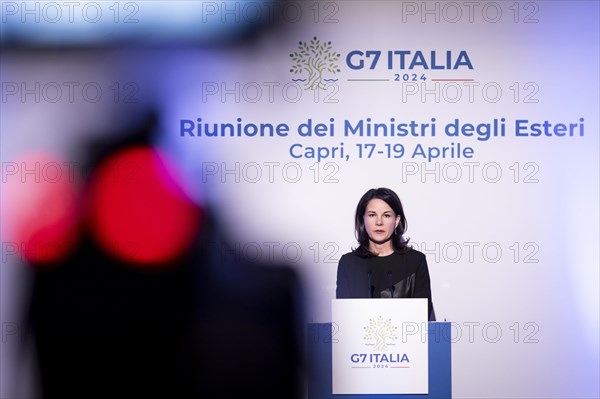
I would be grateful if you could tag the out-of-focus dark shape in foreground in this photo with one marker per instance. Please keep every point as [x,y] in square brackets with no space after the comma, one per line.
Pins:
[130,313]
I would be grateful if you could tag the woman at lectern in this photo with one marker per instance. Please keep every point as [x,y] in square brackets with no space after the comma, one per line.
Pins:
[383,265]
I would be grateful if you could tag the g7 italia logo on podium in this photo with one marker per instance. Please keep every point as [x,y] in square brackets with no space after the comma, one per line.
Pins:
[380,347]
[381,336]
[381,331]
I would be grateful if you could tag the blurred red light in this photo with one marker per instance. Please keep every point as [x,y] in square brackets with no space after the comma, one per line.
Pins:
[138,211]
[40,208]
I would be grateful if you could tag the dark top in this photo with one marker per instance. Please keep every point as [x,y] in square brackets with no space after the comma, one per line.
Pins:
[399,275]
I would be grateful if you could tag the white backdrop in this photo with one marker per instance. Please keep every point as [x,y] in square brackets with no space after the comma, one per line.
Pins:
[510,234]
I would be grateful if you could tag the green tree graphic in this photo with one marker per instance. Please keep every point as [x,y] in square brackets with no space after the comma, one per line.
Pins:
[380,330]
[315,58]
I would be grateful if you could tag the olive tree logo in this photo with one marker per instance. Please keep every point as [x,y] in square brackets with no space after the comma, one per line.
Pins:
[381,331]
[315,57]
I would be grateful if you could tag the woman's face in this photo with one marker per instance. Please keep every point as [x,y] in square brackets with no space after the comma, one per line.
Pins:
[380,221]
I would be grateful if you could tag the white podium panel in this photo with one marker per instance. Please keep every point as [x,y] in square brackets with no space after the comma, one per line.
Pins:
[379,346]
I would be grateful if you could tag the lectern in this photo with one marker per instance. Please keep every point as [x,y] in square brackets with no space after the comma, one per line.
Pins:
[376,349]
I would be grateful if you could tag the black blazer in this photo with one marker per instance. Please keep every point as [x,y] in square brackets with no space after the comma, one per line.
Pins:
[399,275]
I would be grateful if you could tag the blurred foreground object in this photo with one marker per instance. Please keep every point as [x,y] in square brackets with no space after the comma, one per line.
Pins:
[149,300]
